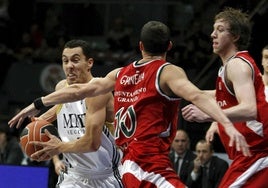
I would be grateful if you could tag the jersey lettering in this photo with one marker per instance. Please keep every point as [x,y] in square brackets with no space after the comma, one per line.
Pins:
[121,118]
[77,120]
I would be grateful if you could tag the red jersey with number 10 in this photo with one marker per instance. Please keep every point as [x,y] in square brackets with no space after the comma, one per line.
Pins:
[146,118]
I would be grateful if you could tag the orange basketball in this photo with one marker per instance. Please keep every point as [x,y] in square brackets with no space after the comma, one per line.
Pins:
[35,131]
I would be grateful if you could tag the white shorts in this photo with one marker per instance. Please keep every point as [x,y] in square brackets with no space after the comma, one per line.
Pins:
[76,180]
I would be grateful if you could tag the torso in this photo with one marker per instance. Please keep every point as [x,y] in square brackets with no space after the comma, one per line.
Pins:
[70,120]
[145,119]
[255,131]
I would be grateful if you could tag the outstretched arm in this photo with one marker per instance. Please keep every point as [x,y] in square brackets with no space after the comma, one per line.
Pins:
[74,92]
[175,81]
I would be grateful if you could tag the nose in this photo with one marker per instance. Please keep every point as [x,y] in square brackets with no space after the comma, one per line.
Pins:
[213,34]
[69,64]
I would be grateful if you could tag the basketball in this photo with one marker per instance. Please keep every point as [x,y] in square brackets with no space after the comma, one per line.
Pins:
[35,131]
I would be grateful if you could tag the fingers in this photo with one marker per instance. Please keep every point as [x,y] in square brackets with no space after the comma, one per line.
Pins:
[209,137]
[41,155]
[186,110]
[37,143]
[243,146]
[48,134]
[187,113]
[240,144]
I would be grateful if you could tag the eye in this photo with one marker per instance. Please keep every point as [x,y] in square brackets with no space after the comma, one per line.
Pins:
[65,61]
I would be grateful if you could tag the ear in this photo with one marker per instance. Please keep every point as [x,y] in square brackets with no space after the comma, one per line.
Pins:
[236,38]
[170,46]
[141,46]
[90,62]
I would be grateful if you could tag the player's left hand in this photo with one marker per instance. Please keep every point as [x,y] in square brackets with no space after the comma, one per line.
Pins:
[213,129]
[193,114]
[49,148]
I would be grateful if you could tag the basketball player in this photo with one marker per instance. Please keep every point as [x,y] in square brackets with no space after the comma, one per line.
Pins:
[95,162]
[146,100]
[264,62]
[240,93]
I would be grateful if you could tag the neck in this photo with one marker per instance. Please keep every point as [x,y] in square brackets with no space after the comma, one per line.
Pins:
[265,78]
[227,57]
[147,58]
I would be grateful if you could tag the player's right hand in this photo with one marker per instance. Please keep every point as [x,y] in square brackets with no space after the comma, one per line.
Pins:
[237,140]
[27,112]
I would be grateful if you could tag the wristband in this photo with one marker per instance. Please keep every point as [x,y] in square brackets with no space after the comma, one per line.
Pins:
[38,103]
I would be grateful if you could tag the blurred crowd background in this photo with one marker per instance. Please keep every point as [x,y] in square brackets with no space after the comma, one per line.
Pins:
[33,32]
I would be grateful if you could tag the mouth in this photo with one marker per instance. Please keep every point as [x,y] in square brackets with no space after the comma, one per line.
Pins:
[71,76]
[214,44]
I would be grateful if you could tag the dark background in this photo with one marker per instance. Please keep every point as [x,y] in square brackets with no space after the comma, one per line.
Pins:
[49,23]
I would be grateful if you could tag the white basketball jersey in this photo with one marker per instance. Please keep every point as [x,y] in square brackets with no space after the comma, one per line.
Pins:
[71,126]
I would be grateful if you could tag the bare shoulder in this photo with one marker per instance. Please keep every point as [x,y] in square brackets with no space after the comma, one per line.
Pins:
[238,64]
[172,71]
[173,78]
[61,84]
[113,73]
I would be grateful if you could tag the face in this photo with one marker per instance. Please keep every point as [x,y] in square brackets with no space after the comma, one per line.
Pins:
[203,152]
[265,60]
[221,37]
[75,65]
[180,143]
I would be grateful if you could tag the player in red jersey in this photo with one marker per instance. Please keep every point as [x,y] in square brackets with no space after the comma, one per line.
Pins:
[146,99]
[240,93]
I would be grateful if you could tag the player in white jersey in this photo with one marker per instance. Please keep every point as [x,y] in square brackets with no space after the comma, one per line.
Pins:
[87,145]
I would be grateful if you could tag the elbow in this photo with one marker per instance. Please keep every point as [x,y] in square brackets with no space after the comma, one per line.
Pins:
[95,147]
[252,113]
[86,147]
[80,92]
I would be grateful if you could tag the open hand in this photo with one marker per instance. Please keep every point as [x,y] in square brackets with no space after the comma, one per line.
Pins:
[27,112]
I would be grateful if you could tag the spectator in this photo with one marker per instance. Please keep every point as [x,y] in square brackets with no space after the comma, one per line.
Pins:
[10,150]
[181,155]
[206,171]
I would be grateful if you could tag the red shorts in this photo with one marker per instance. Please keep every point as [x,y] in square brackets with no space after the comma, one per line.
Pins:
[246,172]
[153,175]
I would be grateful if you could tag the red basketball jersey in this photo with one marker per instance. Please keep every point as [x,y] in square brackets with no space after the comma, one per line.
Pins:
[255,131]
[145,118]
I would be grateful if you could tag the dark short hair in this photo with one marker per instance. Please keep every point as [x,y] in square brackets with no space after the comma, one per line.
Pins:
[86,48]
[203,141]
[155,37]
